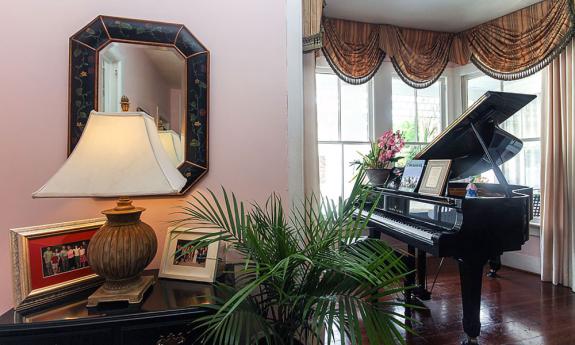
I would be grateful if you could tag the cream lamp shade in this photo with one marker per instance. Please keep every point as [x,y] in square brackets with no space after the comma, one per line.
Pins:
[119,154]
[172,144]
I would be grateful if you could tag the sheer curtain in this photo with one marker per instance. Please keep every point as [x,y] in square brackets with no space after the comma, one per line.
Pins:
[311,164]
[558,173]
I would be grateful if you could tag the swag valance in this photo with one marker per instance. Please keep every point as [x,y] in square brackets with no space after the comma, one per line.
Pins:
[510,47]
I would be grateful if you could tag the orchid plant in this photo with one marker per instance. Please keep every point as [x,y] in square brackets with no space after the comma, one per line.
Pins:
[383,152]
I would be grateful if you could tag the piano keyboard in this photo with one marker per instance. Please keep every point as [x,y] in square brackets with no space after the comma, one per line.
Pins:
[405,228]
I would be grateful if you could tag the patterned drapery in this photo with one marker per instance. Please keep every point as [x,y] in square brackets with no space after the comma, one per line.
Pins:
[311,21]
[523,42]
[352,49]
[418,56]
[510,47]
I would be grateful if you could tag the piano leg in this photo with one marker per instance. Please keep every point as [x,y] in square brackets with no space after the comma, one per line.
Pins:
[421,290]
[409,281]
[471,274]
[494,266]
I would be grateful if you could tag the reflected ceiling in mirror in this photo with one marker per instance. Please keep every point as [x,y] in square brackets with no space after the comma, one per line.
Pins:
[153,80]
[100,74]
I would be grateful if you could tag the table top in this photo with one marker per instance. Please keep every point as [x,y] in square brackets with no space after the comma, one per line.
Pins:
[166,296]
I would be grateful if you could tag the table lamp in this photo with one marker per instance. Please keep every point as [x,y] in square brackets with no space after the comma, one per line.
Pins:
[118,155]
[172,144]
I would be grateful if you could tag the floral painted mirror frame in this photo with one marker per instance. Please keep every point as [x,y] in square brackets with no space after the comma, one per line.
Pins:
[85,46]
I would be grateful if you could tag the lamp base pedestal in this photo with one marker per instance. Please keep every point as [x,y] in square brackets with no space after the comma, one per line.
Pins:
[120,251]
[133,293]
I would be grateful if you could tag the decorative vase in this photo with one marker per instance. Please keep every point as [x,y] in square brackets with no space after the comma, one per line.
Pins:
[377,177]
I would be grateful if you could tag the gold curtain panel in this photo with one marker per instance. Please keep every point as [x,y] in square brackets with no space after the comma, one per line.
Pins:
[352,49]
[311,21]
[510,47]
[419,56]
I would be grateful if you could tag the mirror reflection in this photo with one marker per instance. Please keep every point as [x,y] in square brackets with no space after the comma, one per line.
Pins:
[135,77]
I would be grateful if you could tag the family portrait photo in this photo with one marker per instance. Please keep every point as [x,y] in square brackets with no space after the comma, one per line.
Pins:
[186,256]
[64,258]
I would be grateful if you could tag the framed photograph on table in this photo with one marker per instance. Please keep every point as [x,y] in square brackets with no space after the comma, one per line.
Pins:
[50,262]
[435,177]
[181,261]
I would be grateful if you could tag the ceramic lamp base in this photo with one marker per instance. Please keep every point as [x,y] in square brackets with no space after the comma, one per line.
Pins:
[120,251]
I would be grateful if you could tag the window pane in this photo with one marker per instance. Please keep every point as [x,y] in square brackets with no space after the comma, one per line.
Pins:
[476,87]
[327,107]
[350,154]
[526,123]
[403,109]
[330,174]
[429,112]
[354,112]
[532,154]
[407,153]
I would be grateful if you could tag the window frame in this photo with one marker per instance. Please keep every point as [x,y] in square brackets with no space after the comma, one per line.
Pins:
[464,103]
[444,111]
[465,78]
[370,125]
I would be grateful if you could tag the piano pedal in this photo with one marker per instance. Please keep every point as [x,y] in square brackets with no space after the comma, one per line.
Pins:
[492,274]
[470,341]
[423,294]
[415,301]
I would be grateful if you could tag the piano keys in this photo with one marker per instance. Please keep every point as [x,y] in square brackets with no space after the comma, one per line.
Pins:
[471,230]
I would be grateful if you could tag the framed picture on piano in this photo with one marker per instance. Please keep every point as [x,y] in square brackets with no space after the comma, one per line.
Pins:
[412,175]
[435,177]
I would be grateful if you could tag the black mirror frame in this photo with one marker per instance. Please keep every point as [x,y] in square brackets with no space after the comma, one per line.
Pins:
[85,46]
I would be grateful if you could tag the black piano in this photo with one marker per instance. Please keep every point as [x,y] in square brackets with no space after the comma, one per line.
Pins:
[472,230]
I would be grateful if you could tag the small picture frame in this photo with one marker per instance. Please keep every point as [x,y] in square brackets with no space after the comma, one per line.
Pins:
[186,264]
[50,262]
[435,177]
[394,178]
[411,175]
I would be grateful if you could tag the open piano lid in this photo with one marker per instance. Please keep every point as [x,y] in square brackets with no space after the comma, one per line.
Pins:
[460,143]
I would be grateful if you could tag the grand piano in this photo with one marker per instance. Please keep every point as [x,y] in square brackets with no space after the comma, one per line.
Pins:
[471,230]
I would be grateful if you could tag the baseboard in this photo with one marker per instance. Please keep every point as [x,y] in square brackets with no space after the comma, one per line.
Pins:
[522,262]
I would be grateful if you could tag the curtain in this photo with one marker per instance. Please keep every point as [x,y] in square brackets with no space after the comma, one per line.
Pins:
[311,21]
[523,42]
[352,49]
[558,173]
[510,47]
[310,158]
[418,56]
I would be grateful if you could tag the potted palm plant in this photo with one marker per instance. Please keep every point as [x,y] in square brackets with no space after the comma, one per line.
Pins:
[305,278]
[379,161]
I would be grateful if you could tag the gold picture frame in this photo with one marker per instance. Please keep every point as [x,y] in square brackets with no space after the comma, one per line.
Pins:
[194,266]
[32,286]
[435,177]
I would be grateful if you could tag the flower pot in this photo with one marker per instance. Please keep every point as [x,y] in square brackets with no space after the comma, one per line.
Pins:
[377,177]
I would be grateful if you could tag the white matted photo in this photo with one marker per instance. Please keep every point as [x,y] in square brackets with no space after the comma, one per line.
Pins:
[181,261]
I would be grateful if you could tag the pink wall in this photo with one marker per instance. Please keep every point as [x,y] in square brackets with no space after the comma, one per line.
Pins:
[248,128]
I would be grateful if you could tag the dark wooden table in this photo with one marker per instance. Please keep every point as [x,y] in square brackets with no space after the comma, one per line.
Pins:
[164,318]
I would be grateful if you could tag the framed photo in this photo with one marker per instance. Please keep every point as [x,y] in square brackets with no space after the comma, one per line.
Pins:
[411,175]
[435,177]
[179,261]
[394,178]
[50,262]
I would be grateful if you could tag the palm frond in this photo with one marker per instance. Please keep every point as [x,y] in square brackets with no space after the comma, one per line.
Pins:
[305,275]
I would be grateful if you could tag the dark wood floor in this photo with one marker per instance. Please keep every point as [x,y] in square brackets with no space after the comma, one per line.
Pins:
[516,308]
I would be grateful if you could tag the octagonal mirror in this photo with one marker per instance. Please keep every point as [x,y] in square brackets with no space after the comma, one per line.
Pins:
[119,64]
